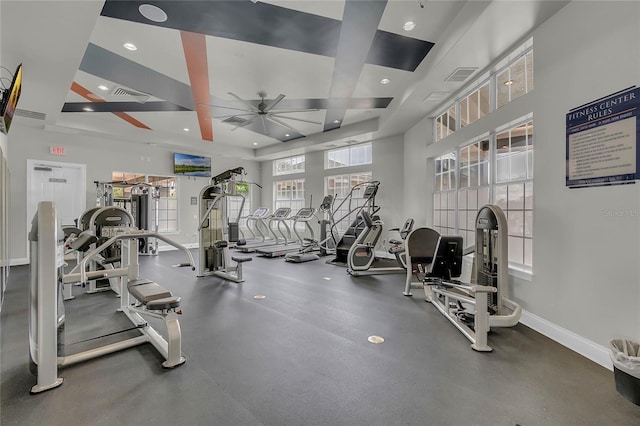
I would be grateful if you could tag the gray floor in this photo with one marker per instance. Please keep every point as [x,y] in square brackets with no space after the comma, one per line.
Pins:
[301,356]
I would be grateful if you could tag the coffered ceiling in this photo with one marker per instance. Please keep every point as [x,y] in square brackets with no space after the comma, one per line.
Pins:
[263,76]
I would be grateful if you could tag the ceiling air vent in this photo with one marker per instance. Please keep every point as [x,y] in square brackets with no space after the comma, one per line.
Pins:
[234,120]
[460,74]
[121,93]
[31,114]
[436,97]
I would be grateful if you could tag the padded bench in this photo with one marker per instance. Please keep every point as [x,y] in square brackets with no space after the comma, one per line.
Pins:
[152,295]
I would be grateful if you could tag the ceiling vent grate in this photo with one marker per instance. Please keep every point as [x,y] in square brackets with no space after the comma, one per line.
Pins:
[461,74]
[122,93]
[436,97]
[234,120]
[31,114]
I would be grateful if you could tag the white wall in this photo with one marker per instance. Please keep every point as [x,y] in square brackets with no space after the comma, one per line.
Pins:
[586,284]
[102,157]
[387,167]
[587,278]
[417,182]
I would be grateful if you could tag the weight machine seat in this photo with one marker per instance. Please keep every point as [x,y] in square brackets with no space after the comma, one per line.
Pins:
[421,245]
[241,259]
[152,294]
[163,304]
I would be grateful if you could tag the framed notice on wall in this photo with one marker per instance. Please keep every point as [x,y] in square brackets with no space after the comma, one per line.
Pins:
[602,141]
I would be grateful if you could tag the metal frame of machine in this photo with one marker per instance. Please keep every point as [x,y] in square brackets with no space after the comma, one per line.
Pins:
[46,313]
[472,308]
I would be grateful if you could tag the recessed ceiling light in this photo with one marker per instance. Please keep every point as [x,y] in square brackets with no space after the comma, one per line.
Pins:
[336,121]
[87,109]
[103,87]
[508,82]
[286,135]
[186,129]
[385,81]
[409,25]
[255,143]
[130,46]
[152,13]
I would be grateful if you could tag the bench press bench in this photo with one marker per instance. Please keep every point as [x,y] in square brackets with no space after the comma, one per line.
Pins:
[152,295]
[156,301]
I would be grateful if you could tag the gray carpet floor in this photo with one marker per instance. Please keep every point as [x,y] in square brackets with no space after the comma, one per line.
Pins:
[300,356]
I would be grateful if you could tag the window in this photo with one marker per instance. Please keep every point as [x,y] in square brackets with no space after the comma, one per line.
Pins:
[513,190]
[339,186]
[167,211]
[475,105]
[233,203]
[511,82]
[290,165]
[351,156]
[289,193]
[444,194]
[474,189]
[446,123]
[515,80]
[478,178]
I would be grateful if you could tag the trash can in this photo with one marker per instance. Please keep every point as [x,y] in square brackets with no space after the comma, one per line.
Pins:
[625,355]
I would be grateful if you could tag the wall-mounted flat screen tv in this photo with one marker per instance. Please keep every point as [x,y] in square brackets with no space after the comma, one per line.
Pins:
[10,98]
[191,165]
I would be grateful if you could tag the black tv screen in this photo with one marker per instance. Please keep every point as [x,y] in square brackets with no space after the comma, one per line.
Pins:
[10,100]
[191,165]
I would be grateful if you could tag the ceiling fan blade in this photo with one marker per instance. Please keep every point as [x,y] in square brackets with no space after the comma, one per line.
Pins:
[273,103]
[286,111]
[264,125]
[246,123]
[233,115]
[247,103]
[282,123]
[292,118]
[228,107]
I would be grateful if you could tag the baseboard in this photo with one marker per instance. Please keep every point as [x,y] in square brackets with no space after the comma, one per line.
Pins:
[571,340]
[19,261]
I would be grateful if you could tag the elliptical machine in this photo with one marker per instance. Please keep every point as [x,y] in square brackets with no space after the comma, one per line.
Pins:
[362,259]
[312,249]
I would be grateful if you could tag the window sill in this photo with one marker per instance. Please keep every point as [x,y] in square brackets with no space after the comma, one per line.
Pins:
[522,273]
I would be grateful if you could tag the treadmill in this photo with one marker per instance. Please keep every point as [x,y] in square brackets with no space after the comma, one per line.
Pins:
[303,215]
[279,215]
[258,235]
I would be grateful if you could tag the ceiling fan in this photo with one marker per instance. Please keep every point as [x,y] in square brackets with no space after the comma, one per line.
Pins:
[263,112]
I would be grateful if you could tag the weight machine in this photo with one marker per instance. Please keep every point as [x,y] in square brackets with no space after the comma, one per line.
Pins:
[96,225]
[216,230]
[46,307]
[142,195]
[484,303]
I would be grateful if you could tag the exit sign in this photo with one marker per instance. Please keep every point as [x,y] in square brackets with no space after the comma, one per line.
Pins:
[56,150]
